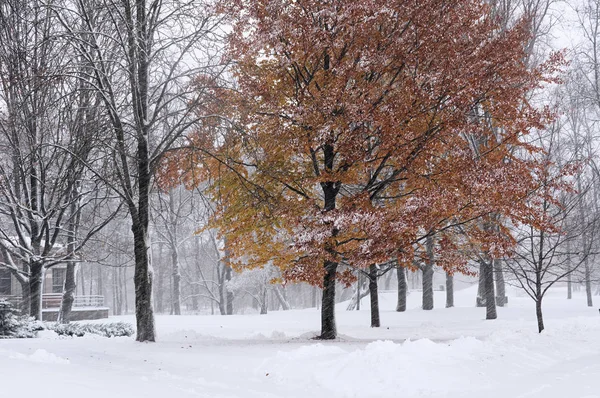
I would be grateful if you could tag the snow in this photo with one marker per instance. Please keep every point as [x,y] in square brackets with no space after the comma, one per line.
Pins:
[439,353]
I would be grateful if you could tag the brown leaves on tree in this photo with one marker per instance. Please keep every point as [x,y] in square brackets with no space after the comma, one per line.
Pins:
[356,127]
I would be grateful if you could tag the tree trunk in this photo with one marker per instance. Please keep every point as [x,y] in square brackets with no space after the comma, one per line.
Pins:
[500,285]
[125,290]
[402,289]
[490,299]
[328,327]
[82,282]
[330,191]
[428,275]
[26,298]
[222,308]
[160,280]
[358,285]
[36,270]
[229,292]
[175,272]
[538,313]
[375,320]
[285,305]
[195,290]
[569,287]
[449,290]
[569,283]
[227,270]
[481,286]
[143,284]
[264,304]
[588,284]
[117,291]
[176,295]
[100,280]
[68,293]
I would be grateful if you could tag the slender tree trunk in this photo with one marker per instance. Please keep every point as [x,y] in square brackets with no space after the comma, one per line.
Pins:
[229,292]
[500,284]
[100,280]
[481,290]
[70,284]
[91,275]
[160,280]
[538,313]
[82,282]
[196,277]
[227,271]
[35,288]
[118,291]
[449,290]
[176,295]
[222,308]
[125,290]
[175,272]
[569,283]
[402,289]
[490,299]
[358,285]
[285,305]
[264,305]
[588,284]
[375,320]
[582,220]
[328,326]
[428,275]
[68,298]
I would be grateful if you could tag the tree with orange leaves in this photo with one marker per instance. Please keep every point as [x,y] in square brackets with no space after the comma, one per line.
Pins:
[351,133]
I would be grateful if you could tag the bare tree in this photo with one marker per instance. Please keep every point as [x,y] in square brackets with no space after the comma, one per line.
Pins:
[45,143]
[145,59]
[542,257]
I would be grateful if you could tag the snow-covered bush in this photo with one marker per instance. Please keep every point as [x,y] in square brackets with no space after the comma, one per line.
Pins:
[115,329]
[14,326]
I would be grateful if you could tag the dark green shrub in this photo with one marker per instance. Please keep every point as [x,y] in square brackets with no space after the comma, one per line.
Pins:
[12,325]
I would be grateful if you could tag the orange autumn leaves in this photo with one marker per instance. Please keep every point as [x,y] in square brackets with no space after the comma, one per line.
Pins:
[355,128]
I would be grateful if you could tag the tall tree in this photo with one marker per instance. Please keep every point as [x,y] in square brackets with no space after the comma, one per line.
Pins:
[347,140]
[46,138]
[144,56]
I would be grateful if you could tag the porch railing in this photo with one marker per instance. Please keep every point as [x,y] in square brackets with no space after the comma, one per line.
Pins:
[53,300]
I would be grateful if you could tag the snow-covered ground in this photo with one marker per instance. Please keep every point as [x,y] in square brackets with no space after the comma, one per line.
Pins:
[440,353]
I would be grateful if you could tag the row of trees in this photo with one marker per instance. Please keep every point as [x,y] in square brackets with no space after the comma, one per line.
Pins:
[343,137]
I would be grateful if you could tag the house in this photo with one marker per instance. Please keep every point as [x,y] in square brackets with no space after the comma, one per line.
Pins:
[84,307]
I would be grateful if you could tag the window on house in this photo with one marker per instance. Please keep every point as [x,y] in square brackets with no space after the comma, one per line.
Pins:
[5,282]
[58,279]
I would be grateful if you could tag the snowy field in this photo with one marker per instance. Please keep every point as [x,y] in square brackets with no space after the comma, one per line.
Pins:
[440,353]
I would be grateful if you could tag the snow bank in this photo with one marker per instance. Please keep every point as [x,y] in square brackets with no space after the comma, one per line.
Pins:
[443,353]
[41,356]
